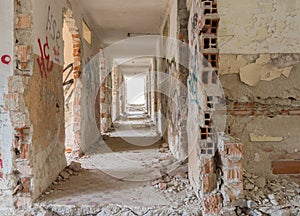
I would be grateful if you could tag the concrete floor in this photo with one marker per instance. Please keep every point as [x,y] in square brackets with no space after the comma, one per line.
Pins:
[118,171]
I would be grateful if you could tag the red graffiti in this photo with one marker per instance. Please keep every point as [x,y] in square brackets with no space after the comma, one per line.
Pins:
[44,62]
[6,59]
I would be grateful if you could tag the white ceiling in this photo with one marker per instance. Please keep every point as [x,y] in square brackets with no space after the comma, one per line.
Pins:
[135,66]
[114,19]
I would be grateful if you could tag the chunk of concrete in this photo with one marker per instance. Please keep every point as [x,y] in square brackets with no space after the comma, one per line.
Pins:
[75,166]
[269,72]
[263,59]
[250,74]
[286,71]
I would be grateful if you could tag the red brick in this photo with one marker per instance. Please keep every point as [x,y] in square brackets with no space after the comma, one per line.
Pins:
[268,149]
[286,167]
[233,174]
[209,183]
[208,166]
[24,151]
[294,112]
[213,204]
[75,36]
[24,21]
[235,149]
[242,112]
[26,185]
[23,53]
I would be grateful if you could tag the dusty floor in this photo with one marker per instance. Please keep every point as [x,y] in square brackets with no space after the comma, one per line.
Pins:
[117,178]
[131,172]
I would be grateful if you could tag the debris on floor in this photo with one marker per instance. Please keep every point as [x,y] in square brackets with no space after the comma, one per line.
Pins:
[262,197]
[164,148]
[72,170]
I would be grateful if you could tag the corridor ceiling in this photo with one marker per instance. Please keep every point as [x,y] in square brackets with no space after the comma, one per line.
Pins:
[114,19]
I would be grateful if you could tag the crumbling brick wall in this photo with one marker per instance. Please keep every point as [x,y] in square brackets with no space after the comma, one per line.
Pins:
[215,160]
[259,69]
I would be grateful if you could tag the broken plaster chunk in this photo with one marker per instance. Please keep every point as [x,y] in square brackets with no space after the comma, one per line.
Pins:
[264,138]
[230,64]
[269,72]
[286,71]
[250,74]
[263,59]
[75,166]
[65,175]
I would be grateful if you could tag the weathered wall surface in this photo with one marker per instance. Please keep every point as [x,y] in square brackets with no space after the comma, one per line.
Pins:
[6,94]
[215,167]
[45,89]
[262,26]
[259,68]
[177,80]
[83,54]
[89,87]
[266,118]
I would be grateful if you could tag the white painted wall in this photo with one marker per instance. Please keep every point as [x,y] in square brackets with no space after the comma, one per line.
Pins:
[6,70]
[6,130]
[268,26]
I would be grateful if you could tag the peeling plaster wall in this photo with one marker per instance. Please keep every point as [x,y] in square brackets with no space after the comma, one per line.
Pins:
[177,95]
[266,26]
[259,68]
[266,118]
[6,128]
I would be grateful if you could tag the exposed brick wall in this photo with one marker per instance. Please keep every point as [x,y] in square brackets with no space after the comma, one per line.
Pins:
[15,103]
[217,157]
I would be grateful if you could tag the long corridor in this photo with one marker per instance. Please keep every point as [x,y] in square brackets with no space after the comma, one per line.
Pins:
[129,171]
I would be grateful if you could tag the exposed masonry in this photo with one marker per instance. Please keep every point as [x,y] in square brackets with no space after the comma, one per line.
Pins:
[264,110]
[70,91]
[22,145]
[105,95]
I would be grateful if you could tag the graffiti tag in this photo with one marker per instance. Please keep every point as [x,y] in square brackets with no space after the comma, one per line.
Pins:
[55,33]
[44,62]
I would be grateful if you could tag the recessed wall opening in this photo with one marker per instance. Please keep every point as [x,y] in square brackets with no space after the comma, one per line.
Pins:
[71,72]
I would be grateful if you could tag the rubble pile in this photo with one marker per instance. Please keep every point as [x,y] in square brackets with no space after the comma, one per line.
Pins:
[175,185]
[277,197]
[164,148]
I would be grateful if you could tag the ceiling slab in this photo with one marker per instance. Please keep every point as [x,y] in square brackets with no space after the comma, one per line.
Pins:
[114,19]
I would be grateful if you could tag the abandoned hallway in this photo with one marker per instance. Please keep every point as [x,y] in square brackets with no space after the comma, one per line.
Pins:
[158,107]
